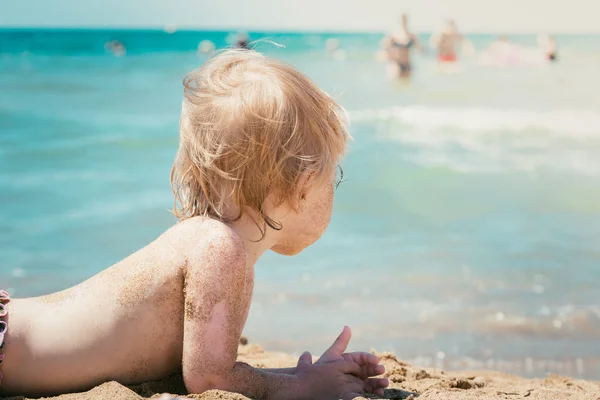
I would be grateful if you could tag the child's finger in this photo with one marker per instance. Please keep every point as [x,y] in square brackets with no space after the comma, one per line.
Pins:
[376,370]
[340,344]
[372,370]
[362,358]
[351,395]
[354,384]
[367,371]
[305,359]
[378,392]
[376,383]
[348,367]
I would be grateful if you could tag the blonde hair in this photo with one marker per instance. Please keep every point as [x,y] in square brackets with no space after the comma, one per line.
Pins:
[251,126]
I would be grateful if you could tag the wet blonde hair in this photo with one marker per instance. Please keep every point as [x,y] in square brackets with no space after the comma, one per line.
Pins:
[251,126]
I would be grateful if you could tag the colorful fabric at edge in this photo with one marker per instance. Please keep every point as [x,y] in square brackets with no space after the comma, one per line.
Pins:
[4,299]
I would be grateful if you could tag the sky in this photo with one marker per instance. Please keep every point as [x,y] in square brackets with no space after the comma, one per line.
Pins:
[509,16]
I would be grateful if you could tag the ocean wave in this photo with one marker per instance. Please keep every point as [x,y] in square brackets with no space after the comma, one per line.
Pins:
[489,140]
[574,123]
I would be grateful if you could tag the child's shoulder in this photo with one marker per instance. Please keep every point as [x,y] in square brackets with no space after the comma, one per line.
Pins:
[201,237]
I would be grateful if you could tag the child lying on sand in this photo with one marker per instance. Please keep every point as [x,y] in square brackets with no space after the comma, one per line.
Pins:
[255,170]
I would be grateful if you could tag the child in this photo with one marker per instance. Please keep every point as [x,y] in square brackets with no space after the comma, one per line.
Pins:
[255,170]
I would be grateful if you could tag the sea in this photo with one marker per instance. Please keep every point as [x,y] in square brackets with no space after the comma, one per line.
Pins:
[466,236]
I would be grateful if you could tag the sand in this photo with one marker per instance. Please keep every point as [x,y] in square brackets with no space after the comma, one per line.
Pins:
[406,382]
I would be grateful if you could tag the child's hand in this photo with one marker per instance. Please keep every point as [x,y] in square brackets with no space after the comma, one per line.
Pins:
[368,363]
[333,380]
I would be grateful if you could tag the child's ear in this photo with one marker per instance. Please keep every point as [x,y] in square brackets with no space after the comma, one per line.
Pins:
[302,188]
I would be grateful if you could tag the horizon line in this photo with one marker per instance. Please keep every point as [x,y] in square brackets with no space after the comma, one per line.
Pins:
[315,30]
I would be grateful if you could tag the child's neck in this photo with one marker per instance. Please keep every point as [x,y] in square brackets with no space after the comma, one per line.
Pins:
[247,229]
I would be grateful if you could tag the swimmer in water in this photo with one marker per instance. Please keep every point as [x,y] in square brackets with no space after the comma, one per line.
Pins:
[242,41]
[116,48]
[206,47]
[500,53]
[548,47]
[446,42]
[397,47]
[260,145]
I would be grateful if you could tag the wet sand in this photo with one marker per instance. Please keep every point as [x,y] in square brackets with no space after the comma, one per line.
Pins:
[406,382]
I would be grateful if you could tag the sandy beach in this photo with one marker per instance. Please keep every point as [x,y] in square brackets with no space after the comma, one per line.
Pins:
[406,382]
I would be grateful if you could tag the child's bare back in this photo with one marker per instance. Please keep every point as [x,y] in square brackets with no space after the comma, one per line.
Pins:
[124,324]
[255,171]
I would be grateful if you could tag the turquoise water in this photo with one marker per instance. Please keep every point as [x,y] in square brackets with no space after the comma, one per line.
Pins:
[466,235]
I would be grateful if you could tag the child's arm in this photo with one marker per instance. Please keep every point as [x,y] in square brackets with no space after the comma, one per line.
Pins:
[218,290]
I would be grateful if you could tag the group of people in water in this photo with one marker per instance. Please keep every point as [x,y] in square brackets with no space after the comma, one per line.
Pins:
[503,53]
[397,45]
[241,41]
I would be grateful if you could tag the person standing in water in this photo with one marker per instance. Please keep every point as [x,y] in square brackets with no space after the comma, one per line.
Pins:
[446,41]
[397,45]
[548,47]
[242,41]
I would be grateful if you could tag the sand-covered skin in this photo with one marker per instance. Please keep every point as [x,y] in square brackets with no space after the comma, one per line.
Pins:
[406,382]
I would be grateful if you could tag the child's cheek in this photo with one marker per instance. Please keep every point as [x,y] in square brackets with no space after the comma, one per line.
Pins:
[322,214]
